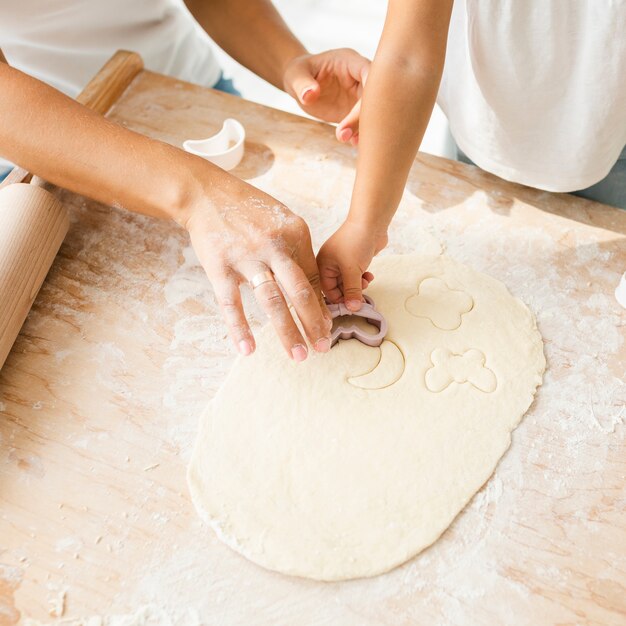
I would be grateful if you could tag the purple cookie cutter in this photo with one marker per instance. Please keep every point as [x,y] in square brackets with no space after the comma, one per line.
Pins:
[369,313]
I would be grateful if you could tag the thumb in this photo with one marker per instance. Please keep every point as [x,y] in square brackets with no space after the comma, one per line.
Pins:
[349,125]
[352,292]
[304,87]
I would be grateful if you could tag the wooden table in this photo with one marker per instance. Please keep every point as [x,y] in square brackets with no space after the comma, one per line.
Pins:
[100,397]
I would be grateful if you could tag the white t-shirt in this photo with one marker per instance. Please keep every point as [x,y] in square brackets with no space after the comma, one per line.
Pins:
[535,90]
[65,42]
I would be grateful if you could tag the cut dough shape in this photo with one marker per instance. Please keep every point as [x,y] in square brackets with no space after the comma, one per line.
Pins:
[387,372]
[443,306]
[468,367]
[306,474]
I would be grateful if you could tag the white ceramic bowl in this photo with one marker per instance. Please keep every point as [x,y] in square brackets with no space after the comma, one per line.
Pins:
[225,149]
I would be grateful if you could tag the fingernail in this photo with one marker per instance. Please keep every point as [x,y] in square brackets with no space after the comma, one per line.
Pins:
[353,305]
[322,345]
[244,347]
[345,134]
[299,353]
[306,92]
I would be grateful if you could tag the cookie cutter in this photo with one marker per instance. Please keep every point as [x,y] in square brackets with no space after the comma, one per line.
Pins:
[224,149]
[620,291]
[369,313]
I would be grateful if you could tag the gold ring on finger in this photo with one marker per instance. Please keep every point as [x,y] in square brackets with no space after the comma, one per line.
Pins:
[261,278]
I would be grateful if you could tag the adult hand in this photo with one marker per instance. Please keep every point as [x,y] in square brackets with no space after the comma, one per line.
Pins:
[329,86]
[242,235]
[343,261]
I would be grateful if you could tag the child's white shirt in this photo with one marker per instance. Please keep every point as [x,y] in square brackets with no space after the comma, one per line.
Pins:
[535,90]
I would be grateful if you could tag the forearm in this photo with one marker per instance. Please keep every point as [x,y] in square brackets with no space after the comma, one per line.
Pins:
[397,103]
[387,147]
[62,141]
[250,31]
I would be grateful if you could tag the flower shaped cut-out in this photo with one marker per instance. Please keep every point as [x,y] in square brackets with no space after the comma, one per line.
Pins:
[440,304]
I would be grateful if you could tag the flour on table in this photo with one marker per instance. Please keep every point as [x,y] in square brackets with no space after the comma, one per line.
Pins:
[306,473]
[147,615]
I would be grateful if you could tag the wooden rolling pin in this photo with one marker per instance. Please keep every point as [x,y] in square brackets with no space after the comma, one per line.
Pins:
[33,223]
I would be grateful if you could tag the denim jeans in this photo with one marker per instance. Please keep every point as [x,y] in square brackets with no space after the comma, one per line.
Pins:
[226,85]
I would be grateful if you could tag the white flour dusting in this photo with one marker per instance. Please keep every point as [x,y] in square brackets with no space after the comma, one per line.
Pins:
[147,615]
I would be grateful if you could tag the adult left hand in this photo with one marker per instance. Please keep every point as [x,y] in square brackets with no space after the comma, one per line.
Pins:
[329,86]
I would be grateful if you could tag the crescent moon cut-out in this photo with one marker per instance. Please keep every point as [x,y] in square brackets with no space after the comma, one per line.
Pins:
[387,371]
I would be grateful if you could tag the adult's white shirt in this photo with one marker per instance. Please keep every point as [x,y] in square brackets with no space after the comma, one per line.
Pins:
[65,42]
[535,90]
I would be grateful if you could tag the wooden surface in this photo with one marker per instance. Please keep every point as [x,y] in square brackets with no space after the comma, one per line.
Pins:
[106,87]
[100,397]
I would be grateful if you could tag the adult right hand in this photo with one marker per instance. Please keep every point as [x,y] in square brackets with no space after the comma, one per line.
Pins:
[242,235]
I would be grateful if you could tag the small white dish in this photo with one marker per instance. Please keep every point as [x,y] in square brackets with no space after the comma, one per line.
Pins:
[225,149]
[620,291]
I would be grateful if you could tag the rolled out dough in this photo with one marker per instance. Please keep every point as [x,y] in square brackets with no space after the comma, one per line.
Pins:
[352,462]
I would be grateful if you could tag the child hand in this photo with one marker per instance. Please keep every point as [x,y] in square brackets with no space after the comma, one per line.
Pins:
[343,261]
